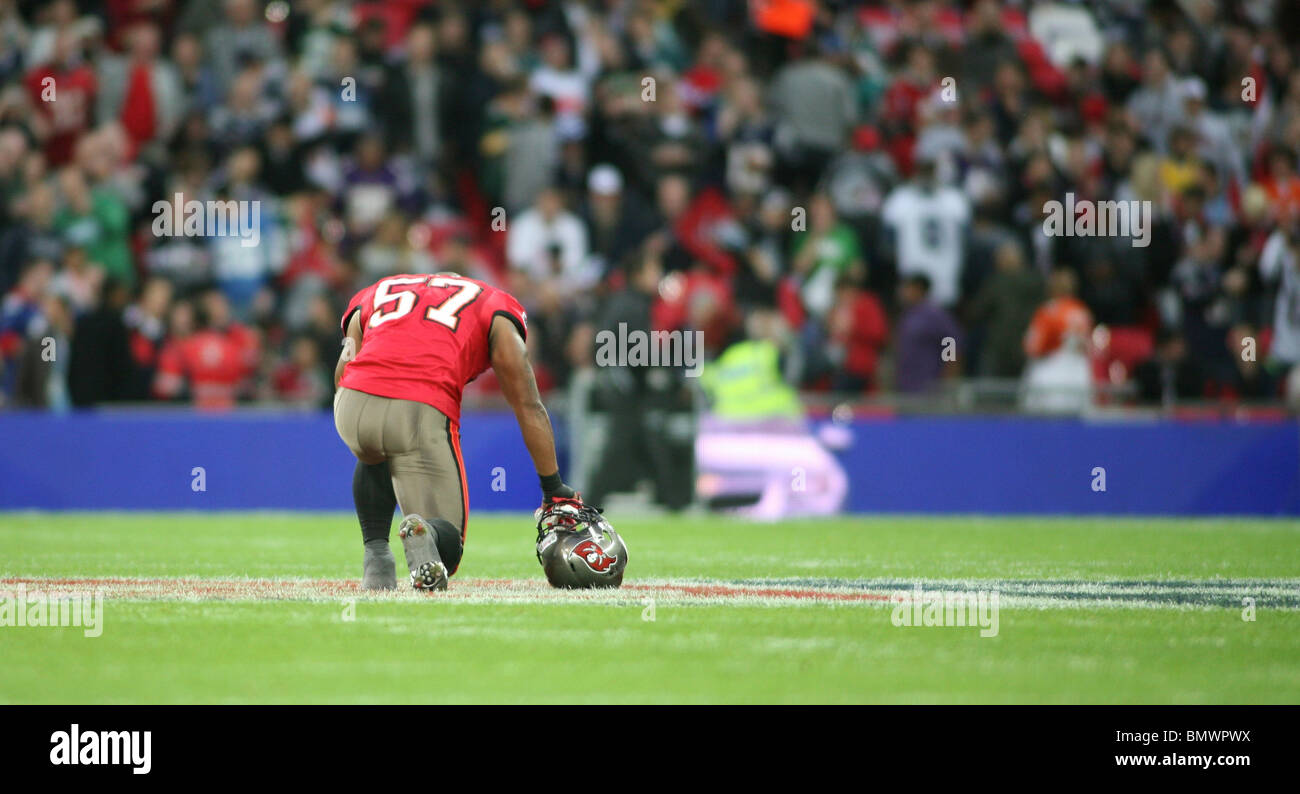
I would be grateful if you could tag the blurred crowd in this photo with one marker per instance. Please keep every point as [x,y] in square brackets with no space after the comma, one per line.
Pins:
[871,178]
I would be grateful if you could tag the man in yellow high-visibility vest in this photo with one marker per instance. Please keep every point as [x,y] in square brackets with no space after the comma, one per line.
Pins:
[745,383]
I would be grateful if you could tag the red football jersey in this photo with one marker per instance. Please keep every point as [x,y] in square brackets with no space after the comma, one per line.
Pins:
[423,337]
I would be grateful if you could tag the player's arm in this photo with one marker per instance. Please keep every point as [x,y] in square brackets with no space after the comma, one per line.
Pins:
[351,345]
[515,374]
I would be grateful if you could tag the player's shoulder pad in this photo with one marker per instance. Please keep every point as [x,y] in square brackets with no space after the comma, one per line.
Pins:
[503,304]
[355,305]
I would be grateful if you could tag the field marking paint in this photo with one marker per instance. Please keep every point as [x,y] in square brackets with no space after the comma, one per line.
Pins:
[1048,593]
[1014,593]
[676,592]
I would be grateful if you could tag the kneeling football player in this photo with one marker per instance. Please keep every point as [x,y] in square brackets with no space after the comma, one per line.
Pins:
[411,343]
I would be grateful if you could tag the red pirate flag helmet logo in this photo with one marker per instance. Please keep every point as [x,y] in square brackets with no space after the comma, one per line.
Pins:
[591,553]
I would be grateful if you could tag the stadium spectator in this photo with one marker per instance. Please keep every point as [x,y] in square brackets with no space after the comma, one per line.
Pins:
[1058,377]
[615,222]
[988,45]
[927,222]
[32,235]
[523,140]
[390,252]
[239,39]
[79,281]
[100,368]
[146,323]
[301,380]
[1002,311]
[1060,322]
[215,363]
[243,271]
[1170,375]
[815,108]
[749,133]
[97,221]
[1279,264]
[62,88]
[824,255]
[42,378]
[414,98]
[139,89]
[547,250]
[22,320]
[926,331]
[197,87]
[858,332]
[558,79]
[1282,183]
[1156,106]
[58,19]
[246,114]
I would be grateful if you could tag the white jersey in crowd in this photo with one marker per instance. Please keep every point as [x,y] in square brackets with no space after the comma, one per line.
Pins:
[930,228]
[1278,264]
[530,243]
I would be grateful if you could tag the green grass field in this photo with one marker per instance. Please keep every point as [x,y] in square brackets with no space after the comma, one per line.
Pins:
[257,607]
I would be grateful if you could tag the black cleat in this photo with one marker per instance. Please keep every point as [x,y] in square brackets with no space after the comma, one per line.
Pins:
[427,569]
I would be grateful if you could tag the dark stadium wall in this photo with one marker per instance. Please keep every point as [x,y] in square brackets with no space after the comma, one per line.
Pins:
[152,461]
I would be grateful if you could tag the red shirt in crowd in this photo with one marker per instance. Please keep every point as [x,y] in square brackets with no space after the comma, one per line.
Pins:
[1054,321]
[215,362]
[69,114]
[858,324]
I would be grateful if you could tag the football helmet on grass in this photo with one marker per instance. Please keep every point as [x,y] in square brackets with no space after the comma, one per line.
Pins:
[577,547]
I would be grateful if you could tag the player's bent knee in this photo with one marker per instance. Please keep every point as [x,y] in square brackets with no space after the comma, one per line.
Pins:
[447,537]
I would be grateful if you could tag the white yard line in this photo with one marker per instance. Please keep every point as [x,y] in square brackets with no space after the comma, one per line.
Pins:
[1012,593]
